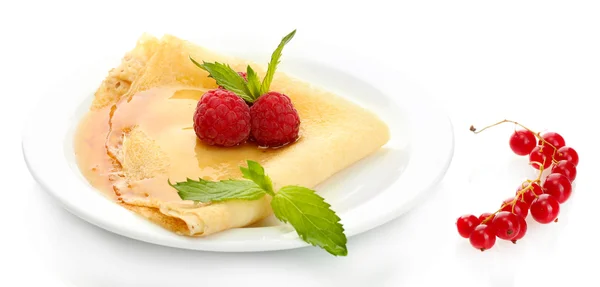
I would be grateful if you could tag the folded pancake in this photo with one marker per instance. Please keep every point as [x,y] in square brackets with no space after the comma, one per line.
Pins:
[138,135]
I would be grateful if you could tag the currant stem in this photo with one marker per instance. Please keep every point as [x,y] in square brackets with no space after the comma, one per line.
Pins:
[537,135]
[520,194]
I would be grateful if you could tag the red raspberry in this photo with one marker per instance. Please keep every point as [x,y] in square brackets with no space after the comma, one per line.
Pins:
[222,118]
[275,121]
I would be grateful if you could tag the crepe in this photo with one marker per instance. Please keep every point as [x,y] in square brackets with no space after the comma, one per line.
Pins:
[138,135]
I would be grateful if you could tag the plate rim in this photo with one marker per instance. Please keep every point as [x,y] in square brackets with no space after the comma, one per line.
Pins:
[288,241]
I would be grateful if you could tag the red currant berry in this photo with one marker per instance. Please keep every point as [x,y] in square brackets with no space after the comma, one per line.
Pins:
[506,225]
[483,237]
[568,154]
[485,216]
[532,192]
[466,224]
[522,229]
[522,142]
[541,155]
[558,186]
[519,208]
[565,168]
[545,209]
[553,138]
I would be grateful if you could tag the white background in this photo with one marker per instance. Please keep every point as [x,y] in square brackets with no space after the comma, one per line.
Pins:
[537,62]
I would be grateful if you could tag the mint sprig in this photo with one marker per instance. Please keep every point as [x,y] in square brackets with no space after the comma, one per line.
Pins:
[249,90]
[312,218]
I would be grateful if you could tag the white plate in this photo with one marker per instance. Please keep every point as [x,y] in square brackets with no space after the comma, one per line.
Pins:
[366,195]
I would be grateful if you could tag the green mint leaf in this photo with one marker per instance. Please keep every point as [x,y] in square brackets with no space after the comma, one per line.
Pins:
[256,173]
[227,78]
[312,218]
[266,84]
[253,82]
[215,191]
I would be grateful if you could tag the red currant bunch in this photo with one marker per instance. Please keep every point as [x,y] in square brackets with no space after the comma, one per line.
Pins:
[540,197]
